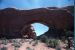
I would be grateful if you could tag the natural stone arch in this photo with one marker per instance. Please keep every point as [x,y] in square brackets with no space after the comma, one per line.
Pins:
[31,22]
[12,20]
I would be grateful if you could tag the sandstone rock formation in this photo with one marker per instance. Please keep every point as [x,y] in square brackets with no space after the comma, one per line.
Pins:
[12,21]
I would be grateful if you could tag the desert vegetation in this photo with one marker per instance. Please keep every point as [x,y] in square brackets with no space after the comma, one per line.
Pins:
[30,44]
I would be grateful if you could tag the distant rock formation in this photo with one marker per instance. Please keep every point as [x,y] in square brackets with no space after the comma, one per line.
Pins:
[12,21]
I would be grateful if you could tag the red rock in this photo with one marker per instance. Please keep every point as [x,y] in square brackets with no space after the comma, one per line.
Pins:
[13,21]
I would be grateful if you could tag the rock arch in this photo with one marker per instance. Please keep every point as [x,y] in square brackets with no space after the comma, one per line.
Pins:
[13,21]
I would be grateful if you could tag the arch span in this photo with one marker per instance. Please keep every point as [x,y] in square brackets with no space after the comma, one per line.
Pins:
[12,20]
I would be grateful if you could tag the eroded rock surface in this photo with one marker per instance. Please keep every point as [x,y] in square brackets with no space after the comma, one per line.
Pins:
[12,21]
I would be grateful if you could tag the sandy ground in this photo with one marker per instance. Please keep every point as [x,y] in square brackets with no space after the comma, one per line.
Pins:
[39,46]
[24,46]
[27,44]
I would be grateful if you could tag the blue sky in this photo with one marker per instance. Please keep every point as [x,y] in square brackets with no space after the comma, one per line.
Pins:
[40,28]
[32,4]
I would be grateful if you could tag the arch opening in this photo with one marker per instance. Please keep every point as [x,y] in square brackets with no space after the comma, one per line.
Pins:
[39,28]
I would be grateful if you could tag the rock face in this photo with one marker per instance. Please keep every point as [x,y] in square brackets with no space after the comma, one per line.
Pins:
[28,32]
[12,21]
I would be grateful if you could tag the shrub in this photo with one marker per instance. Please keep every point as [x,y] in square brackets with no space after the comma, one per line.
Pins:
[28,48]
[52,43]
[44,38]
[35,43]
[16,44]
[4,48]
[4,41]
[58,48]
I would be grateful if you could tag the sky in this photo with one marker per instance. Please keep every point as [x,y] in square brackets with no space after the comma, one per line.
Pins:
[32,4]
[40,28]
